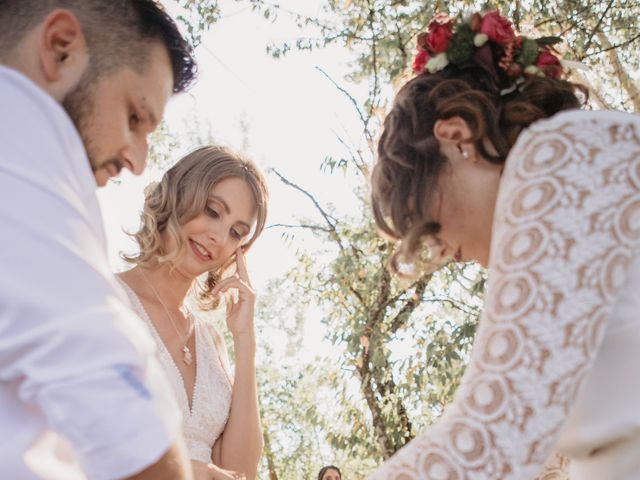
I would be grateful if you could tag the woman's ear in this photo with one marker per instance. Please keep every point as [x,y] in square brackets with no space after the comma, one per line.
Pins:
[453,135]
[451,130]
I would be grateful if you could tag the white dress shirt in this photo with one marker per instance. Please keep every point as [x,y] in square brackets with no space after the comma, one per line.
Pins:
[74,359]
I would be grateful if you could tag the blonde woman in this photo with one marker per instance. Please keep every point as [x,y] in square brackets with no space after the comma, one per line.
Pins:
[196,226]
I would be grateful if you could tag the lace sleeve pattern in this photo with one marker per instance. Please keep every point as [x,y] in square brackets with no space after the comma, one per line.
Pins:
[565,229]
[556,468]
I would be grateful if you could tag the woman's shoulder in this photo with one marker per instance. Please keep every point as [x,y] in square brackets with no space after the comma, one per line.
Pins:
[134,300]
[120,277]
[589,119]
[573,143]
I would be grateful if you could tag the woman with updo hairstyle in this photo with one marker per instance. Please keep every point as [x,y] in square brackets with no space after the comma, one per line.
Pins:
[487,155]
[196,226]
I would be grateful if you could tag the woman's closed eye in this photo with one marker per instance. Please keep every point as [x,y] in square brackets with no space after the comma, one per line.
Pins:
[236,234]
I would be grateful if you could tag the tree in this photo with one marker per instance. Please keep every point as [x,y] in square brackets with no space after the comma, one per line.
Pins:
[603,35]
[404,345]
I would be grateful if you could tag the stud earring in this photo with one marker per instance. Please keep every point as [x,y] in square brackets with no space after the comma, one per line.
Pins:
[463,152]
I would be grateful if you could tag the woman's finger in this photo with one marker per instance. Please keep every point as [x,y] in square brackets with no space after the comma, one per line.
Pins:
[241,265]
[231,282]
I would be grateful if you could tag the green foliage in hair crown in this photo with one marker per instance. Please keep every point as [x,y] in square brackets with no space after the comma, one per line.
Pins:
[488,41]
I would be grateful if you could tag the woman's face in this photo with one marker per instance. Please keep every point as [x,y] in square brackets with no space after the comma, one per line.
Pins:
[463,205]
[213,236]
[331,474]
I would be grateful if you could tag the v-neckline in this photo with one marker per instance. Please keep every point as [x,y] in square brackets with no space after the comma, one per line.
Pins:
[191,400]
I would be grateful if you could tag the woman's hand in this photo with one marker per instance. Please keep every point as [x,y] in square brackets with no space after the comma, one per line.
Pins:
[202,471]
[240,310]
[218,473]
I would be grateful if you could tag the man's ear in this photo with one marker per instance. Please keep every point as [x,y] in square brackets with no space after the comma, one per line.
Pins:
[451,130]
[62,49]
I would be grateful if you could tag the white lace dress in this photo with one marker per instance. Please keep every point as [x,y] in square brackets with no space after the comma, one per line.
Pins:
[205,420]
[554,365]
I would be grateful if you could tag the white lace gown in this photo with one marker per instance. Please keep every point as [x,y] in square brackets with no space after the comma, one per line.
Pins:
[204,422]
[554,365]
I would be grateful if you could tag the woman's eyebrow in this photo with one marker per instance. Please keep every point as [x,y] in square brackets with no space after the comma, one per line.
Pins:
[221,201]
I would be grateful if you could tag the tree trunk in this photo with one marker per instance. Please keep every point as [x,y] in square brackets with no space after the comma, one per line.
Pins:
[386,443]
[268,453]
[626,82]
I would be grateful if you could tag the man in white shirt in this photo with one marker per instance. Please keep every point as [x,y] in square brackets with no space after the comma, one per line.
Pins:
[82,84]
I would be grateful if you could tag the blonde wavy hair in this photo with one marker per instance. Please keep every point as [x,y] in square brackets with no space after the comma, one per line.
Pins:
[180,196]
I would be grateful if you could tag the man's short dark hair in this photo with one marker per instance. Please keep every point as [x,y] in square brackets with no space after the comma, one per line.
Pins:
[117,32]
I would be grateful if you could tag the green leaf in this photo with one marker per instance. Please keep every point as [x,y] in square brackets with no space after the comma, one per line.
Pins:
[547,41]
[461,46]
[528,52]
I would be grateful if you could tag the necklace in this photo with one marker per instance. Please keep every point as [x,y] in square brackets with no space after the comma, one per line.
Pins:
[187,357]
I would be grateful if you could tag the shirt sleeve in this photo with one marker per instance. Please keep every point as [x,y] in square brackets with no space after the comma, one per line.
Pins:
[70,346]
[562,239]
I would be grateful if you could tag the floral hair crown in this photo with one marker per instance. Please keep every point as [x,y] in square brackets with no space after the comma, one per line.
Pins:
[489,41]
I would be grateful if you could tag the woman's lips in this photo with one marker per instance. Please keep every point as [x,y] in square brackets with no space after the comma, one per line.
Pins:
[199,251]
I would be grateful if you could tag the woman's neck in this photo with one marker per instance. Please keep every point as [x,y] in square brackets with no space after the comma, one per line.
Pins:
[168,284]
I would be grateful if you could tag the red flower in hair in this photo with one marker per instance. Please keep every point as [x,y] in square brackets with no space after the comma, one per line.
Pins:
[549,64]
[488,41]
[420,60]
[498,28]
[440,32]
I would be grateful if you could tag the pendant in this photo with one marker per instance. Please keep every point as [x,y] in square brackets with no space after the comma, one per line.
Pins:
[187,357]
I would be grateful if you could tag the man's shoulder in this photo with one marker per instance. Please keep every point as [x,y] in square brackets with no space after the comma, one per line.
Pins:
[38,141]
[20,91]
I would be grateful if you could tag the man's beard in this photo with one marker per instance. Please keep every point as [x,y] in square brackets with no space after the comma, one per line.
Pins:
[79,105]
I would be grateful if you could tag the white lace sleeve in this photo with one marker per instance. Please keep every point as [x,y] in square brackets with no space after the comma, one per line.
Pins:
[555,468]
[565,229]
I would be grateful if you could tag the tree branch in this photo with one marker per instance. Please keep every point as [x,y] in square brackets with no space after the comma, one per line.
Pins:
[309,227]
[365,121]
[596,28]
[331,222]
[410,305]
[626,82]
[357,159]
[613,47]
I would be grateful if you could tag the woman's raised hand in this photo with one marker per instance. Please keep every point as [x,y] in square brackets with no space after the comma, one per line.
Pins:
[240,308]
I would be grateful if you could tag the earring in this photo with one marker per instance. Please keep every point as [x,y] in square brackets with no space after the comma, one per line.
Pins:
[463,152]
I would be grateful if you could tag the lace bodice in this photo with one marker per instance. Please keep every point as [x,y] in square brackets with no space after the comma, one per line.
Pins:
[561,309]
[204,422]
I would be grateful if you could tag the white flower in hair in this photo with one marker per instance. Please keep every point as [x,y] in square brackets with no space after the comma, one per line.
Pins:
[480,39]
[437,63]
